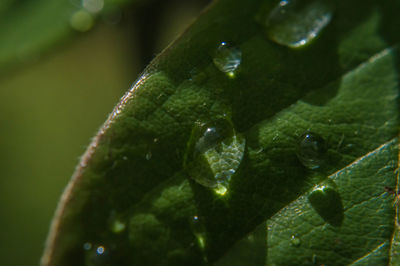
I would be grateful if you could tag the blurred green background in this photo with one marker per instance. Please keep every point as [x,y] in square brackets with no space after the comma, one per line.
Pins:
[60,76]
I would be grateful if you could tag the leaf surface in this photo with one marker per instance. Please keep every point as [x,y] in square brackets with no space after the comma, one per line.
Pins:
[132,201]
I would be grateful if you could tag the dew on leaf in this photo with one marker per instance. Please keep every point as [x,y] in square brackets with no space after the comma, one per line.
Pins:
[148,155]
[198,231]
[96,255]
[87,246]
[295,241]
[227,58]
[214,154]
[100,250]
[311,150]
[295,23]
[326,201]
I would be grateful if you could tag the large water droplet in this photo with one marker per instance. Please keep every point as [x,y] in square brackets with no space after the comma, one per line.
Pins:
[214,154]
[327,203]
[294,23]
[227,58]
[311,150]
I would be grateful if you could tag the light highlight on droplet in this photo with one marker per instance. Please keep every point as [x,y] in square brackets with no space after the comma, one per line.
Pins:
[214,154]
[227,58]
[295,23]
[100,250]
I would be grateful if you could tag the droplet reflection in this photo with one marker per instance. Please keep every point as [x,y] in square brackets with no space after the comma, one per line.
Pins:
[295,241]
[311,150]
[227,58]
[214,154]
[295,23]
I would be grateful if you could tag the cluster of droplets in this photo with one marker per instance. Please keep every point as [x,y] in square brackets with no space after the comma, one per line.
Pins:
[292,23]
[217,150]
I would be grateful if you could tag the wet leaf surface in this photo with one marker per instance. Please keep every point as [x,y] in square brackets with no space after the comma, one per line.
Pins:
[126,207]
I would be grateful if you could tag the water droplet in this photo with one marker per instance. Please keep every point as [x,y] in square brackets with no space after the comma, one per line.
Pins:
[148,155]
[327,203]
[294,23]
[311,150]
[295,241]
[227,58]
[81,21]
[214,154]
[314,259]
[96,255]
[87,246]
[100,250]
[198,231]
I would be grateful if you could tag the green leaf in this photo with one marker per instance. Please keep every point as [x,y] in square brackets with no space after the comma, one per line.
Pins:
[362,237]
[319,123]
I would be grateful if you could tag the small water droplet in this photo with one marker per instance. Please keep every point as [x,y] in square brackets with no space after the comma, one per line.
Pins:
[87,246]
[327,203]
[314,259]
[148,155]
[100,250]
[96,255]
[311,150]
[294,23]
[214,154]
[198,231]
[227,58]
[295,241]
[81,20]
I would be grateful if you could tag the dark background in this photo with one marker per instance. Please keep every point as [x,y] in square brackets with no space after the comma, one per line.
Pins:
[54,102]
